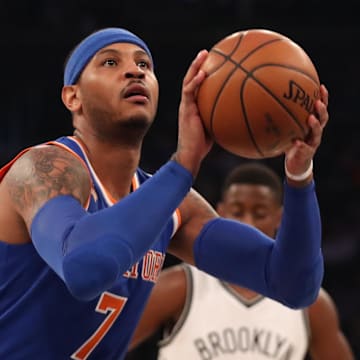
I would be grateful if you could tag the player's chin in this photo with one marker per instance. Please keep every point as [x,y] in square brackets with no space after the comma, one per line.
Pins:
[146,109]
[138,120]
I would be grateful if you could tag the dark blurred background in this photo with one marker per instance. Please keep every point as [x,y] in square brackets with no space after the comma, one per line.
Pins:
[37,35]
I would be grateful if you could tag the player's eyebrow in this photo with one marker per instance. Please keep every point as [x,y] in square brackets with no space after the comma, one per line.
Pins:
[119,52]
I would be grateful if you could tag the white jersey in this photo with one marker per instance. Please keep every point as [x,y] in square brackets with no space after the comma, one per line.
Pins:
[218,323]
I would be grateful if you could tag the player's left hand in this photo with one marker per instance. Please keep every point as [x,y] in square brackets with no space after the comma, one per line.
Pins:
[300,154]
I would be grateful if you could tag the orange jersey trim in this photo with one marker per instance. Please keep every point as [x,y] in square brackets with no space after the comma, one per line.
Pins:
[7,166]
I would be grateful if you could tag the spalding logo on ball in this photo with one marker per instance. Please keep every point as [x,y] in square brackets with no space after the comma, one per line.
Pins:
[260,90]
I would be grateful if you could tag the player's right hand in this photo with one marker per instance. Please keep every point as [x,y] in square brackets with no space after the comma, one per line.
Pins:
[193,141]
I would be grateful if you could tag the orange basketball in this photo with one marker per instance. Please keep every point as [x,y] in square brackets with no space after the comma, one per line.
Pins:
[259,91]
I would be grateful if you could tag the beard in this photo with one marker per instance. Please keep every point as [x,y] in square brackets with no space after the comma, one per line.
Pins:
[127,131]
[118,128]
[133,130]
[136,123]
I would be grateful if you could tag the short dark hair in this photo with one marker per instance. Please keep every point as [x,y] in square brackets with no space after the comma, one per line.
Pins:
[254,173]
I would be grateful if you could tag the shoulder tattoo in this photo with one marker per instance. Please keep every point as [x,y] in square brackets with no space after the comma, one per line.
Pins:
[43,173]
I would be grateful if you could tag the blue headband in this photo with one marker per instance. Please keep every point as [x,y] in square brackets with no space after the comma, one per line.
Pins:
[92,44]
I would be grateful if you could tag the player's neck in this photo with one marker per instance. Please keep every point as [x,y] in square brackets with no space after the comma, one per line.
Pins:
[114,165]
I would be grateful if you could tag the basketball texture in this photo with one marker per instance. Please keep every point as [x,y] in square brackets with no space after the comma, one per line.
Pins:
[259,91]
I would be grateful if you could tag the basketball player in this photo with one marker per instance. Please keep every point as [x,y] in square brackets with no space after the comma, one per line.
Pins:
[206,318]
[84,231]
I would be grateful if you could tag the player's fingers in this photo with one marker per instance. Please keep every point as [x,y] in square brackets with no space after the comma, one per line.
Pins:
[322,113]
[191,88]
[324,95]
[195,66]
[316,131]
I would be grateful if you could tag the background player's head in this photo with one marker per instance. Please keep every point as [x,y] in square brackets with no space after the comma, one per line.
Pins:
[109,78]
[253,193]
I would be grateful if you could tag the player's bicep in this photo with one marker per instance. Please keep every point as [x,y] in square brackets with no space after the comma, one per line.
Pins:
[195,213]
[326,329]
[41,174]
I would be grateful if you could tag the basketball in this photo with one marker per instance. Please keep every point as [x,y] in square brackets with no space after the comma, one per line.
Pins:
[259,91]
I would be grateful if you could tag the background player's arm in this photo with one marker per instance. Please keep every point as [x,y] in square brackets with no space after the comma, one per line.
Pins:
[327,341]
[165,304]
[39,175]
[195,213]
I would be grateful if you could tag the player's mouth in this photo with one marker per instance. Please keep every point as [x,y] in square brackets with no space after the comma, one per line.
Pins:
[137,92]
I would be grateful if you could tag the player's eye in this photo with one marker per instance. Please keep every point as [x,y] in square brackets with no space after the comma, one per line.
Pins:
[110,62]
[237,214]
[260,215]
[143,64]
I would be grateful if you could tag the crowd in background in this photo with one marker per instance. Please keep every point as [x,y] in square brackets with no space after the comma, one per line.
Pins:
[35,38]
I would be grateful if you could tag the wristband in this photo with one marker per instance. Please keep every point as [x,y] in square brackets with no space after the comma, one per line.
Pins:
[300,177]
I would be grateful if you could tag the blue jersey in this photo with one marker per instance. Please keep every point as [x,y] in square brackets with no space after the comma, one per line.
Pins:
[39,319]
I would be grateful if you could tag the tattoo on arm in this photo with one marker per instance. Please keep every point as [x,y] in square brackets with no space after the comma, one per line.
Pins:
[43,173]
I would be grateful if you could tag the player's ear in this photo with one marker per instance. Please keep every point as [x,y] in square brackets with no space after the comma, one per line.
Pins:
[69,96]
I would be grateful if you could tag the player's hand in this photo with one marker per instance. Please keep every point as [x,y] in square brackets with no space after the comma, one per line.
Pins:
[298,157]
[193,142]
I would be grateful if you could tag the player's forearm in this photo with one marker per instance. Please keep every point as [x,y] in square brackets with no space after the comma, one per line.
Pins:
[288,269]
[296,268]
[189,160]
[89,251]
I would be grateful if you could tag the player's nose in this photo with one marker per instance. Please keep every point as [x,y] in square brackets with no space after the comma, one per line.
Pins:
[248,219]
[132,70]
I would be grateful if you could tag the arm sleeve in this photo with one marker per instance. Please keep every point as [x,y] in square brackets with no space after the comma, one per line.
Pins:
[90,251]
[289,269]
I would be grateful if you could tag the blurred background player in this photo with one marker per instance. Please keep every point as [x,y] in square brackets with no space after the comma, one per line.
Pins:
[202,317]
